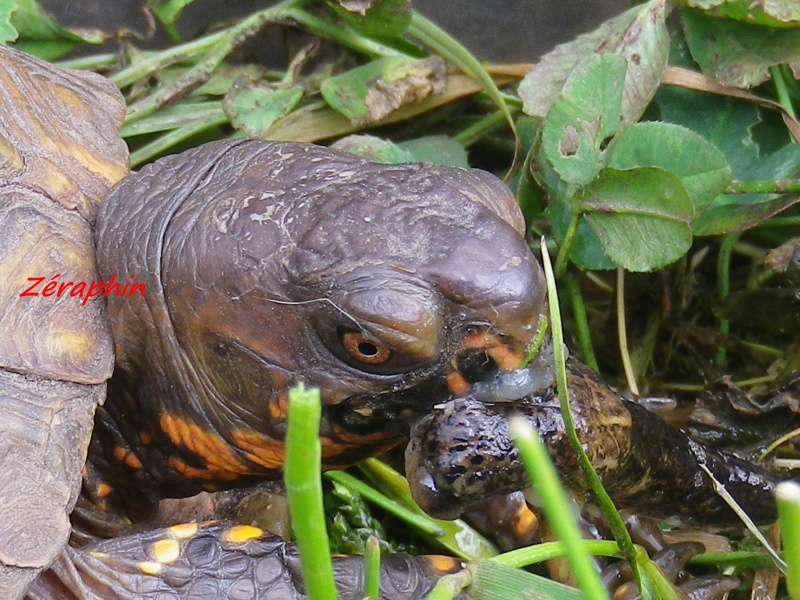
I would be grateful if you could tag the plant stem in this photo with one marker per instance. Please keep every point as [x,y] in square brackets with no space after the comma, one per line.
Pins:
[581,321]
[622,334]
[777,222]
[164,142]
[477,130]
[566,245]
[423,524]
[780,186]
[723,288]
[342,36]
[523,557]
[200,72]
[615,522]
[157,61]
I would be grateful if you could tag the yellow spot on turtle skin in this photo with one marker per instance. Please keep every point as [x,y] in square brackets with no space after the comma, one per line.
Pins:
[98,555]
[103,490]
[279,408]
[526,521]
[150,567]
[194,473]
[241,534]
[145,438]
[133,461]
[128,457]
[166,551]
[184,530]
[444,564]
[457,384]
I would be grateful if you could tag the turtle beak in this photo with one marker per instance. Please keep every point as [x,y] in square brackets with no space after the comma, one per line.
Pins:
[499,287]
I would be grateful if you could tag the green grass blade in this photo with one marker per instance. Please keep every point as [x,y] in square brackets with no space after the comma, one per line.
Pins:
[441,42]
[558,508]
[372,569]
[788,496]
[494,581]
[304,492]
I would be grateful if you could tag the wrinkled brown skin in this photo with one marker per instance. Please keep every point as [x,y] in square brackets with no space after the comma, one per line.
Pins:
[59,155]
[255,255]
[464,451]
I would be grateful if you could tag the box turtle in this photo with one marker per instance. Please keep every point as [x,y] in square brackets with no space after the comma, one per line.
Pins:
[405,293]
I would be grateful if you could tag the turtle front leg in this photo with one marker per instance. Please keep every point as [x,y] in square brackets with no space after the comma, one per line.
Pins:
[214,561]
[43,438]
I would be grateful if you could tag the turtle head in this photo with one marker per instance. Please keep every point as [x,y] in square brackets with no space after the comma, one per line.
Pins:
[391,288]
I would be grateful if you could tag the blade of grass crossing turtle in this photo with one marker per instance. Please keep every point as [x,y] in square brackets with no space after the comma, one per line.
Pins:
[304,492]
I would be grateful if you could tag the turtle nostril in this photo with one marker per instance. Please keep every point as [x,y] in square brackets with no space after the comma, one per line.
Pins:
[475,365]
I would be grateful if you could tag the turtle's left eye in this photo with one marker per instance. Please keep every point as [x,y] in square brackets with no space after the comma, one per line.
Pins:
[364,349]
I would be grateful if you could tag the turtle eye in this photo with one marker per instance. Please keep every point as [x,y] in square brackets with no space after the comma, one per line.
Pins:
[364,350]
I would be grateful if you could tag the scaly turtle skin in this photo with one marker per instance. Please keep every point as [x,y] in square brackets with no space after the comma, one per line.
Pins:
[393,289]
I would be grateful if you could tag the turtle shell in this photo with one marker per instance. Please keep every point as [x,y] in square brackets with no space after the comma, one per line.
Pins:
[59,155]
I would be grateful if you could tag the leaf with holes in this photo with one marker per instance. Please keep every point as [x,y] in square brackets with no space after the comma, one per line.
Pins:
[640,216]
[702,167]
[372,91]
[639,35]
[585,115]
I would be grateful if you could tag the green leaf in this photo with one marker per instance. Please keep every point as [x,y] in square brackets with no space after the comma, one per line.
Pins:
[638,35]
[370,92]
[587,251]
[374,148]
[725,122]
[586,113]
[735,213]
[386,19]
[42,36]
[437,149]
[168,11]
[7,31]
[702,168]
[739,54]
[254,108]
[724,217]
[491,580]
[771,13]
[641,216]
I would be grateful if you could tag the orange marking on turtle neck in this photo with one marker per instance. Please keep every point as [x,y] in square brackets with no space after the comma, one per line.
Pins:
[221,462]
[261,450]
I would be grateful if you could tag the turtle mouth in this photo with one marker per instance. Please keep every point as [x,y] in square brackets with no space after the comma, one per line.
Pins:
[501,379]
